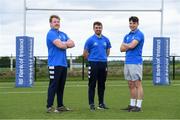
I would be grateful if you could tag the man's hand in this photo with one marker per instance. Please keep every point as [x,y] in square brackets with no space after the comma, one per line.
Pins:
[123,48]
[85,54]
[70,44]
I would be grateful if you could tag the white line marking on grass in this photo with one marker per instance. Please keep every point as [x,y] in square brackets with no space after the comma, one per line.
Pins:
[80,85]
[6,87]
[24,92]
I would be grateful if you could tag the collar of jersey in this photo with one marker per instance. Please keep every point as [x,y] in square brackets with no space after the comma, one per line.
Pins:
[132,32]
[54,30]
[99,37]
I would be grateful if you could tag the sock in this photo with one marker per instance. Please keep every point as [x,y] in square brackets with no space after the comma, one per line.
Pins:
[138,104]
[132,102]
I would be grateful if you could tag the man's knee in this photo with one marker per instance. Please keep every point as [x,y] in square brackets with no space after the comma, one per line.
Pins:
[131,84]
[138,84]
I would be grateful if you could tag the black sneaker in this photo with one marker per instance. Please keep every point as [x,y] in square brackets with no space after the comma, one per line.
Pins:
[136,109]
[92,107]
[62,109]
[128,108]
[50,109]
[102,106]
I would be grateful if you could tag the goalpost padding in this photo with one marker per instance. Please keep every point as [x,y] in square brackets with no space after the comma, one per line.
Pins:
[161,58]
[24,61]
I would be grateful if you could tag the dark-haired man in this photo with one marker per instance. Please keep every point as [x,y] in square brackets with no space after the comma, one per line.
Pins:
[96,50]
[133,45]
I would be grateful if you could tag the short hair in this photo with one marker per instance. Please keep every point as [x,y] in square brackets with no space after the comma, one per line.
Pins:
[53,16]
[97,23]
[134,19]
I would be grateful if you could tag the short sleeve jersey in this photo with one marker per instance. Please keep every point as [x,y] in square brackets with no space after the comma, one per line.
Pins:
[56,56]
[134,56]
[97,48]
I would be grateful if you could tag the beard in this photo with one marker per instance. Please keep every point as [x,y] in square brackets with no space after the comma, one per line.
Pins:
[98,32]
[56,27]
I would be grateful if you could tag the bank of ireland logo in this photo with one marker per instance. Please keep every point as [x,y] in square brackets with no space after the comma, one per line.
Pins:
[105,44]
[127,38]
[95,44]
[62,37]
[133,37]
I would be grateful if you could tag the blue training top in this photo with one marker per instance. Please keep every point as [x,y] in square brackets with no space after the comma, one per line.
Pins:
[134,56]
[56,56]
[97,48]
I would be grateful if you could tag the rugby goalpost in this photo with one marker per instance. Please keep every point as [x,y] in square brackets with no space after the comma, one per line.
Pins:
[161,11]
[166,41]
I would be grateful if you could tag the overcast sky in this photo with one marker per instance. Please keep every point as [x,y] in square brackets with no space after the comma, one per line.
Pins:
[78,25]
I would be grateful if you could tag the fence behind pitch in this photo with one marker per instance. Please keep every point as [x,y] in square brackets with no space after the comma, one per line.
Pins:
[76,69]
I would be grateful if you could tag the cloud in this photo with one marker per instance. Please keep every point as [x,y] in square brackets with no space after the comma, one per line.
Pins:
[78,25]
[95,4]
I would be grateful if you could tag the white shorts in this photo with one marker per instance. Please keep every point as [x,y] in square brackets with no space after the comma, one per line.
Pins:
[133,72]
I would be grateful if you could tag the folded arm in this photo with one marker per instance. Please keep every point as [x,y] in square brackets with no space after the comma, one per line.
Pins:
[63,45]
[58,43]
[124,46]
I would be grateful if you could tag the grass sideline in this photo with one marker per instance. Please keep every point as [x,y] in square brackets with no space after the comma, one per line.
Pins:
[160,102]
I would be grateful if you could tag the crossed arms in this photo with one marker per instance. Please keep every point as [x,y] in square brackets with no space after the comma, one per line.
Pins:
[124,46]
[64,45]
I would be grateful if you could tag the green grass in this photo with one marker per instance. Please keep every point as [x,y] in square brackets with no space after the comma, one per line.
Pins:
[160,102]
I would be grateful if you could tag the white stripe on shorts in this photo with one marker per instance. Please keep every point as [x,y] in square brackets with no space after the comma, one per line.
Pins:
[51,67]
[89,67]
[51,72]
[51,76]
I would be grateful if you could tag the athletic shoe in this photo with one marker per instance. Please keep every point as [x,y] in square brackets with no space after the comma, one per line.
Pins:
[50,109]
[102,106]
[128,108]
[136,109]
[92,107]
[62,109]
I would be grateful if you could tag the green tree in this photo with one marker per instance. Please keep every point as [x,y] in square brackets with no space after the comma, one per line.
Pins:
[4,62]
